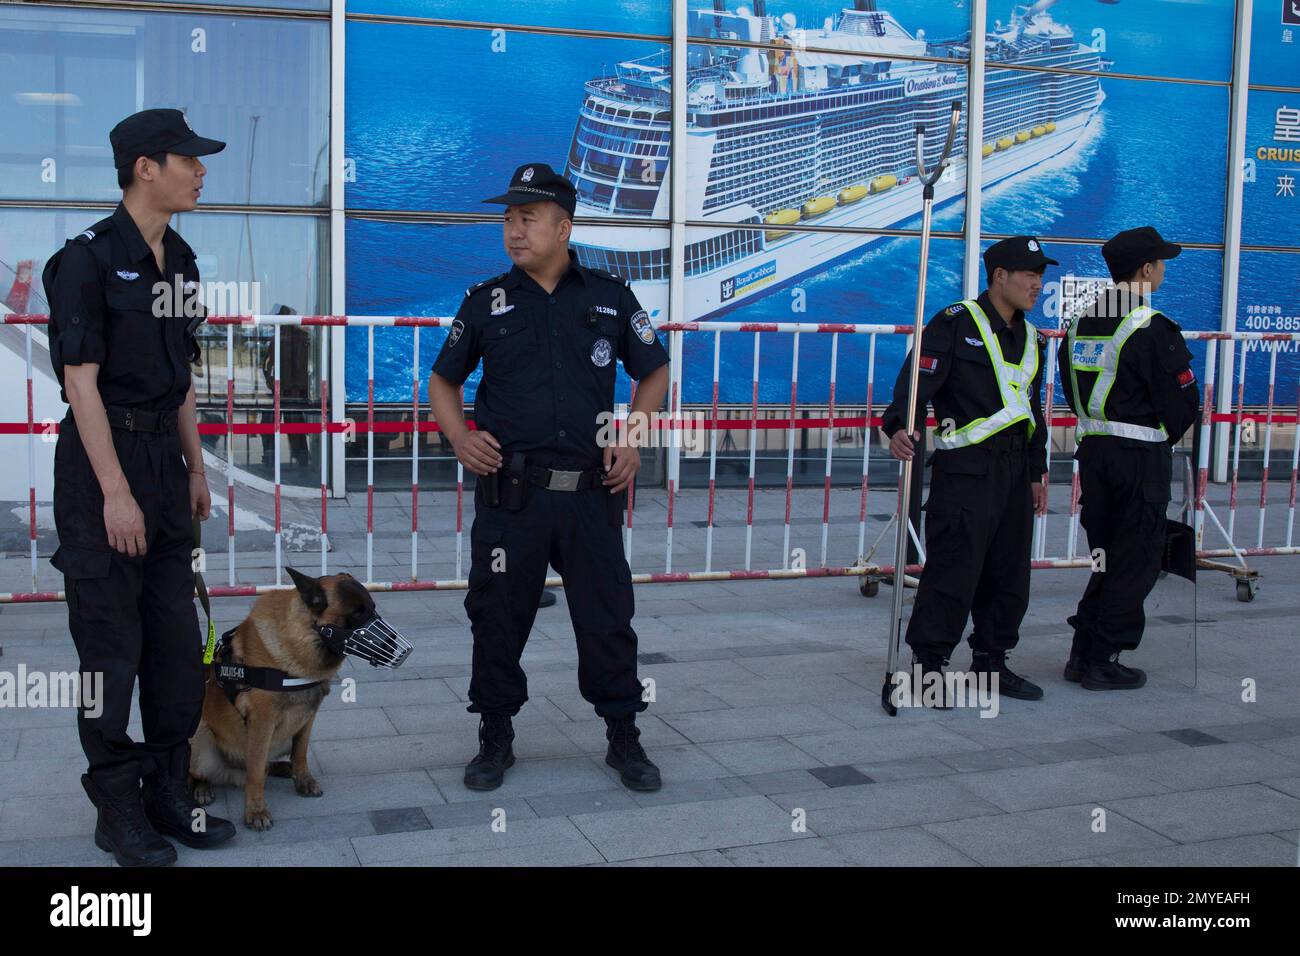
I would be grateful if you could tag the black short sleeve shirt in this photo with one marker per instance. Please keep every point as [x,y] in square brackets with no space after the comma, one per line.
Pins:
[549,359]
[112,307]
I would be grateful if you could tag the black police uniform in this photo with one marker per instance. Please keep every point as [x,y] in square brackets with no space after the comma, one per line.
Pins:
[129,616]
[979,514]
[548,372]
[1124,483]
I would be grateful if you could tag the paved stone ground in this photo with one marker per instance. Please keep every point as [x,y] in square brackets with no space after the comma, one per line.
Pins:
[767,703]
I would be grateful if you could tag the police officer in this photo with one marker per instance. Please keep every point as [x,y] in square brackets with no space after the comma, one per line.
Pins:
[128,479]
[548,332]
[981,365]
[1126,372]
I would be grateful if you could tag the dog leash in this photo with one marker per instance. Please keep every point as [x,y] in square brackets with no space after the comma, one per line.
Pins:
[201,589]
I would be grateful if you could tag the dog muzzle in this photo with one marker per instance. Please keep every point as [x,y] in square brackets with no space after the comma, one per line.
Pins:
[376,642]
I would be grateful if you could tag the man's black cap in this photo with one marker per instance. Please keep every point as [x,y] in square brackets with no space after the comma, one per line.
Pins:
[1016,254]
[1131,249]
[157,131]
[537,182]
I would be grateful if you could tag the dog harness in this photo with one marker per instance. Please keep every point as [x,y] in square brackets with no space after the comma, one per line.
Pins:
[235,678]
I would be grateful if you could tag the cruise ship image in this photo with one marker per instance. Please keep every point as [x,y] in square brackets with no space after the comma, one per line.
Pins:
[810,133]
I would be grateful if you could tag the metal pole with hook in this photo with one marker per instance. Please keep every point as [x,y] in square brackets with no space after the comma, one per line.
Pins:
[914,373]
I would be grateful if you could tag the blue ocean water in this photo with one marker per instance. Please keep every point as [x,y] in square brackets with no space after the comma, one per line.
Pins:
[437,120]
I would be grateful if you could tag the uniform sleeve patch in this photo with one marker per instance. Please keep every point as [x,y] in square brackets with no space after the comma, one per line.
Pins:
[954,309]
[929,364]
[642,327]
[457,328]
[1186,377]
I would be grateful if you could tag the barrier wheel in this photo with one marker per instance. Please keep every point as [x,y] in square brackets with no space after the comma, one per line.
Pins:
[868,587]
[1245,592]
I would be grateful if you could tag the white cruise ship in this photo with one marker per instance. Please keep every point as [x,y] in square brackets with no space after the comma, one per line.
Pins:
[815,134]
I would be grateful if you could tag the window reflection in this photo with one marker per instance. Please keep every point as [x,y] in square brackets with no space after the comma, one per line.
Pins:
[261,85]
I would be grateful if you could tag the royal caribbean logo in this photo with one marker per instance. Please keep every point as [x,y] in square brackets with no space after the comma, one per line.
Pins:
[917,86]
[748,281]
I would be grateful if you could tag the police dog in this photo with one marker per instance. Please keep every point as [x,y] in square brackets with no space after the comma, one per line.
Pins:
[241,743]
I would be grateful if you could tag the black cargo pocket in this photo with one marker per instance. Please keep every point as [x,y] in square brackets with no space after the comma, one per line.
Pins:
[78,564]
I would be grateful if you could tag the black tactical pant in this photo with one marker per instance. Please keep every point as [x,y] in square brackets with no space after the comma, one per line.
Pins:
[1124,493]
[510,550]
[978,531]
[131,617]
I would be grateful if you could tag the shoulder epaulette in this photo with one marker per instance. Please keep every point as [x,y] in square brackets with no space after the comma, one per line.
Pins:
[955,309]
[486,282]
[98,229]
[610,276]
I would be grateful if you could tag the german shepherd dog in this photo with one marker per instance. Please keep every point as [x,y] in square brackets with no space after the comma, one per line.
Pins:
[241,742]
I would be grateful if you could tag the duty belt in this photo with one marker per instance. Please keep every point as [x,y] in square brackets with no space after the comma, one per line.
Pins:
[554,480]
[141,420]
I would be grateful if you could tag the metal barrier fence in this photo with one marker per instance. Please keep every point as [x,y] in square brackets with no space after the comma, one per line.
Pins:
[1242,423]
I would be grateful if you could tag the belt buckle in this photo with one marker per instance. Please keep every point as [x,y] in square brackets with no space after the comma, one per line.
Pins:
[563,480]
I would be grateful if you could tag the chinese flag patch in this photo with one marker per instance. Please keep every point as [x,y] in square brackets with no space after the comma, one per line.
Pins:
[1186,377]
[929,364]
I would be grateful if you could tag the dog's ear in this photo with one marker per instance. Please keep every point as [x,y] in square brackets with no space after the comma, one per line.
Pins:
[313,595]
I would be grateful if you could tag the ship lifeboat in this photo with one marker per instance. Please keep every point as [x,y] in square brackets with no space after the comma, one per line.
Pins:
[818,206]
[1049,127]
[782,217]
[1038,131]
[987,150]
[1022,136]
[881,183]
[1005,142]
[852,194]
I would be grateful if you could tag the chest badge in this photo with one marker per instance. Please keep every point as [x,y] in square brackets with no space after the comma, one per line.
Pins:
[976,342]
[602,353]
[128,276]
[503,310]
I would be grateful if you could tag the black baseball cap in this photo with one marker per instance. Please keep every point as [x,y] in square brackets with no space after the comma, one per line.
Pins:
[1131,249]
[1016,254]
[157,131]
[537,182]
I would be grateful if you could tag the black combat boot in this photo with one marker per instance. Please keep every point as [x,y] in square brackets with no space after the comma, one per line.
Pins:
[1110,674]
[122,829]
[930,663]
[1077,665]
[626,755]
[496,752]
[1010,683]
[170,806]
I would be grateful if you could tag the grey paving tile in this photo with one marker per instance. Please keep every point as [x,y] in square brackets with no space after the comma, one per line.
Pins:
[1255,730]
[1136,743]
[391,694]
[75,850]
[816,851]
[1199,815]
[478,812]
[1059,784]
[905,768]
[1044,836]
[588,736]
[1263,849]
[399,820]
[42,817]
[782,781]
[528,778]
[763,755]
[334,852]
[344,794]
[343,724]
[841,776]
[874,745]
[774,691]
[884,805]
[1198,768]
[523,842]
[568,804]
[695,791]
[402,752]
[1066,750]
[1193,737]
[1289,785]
[986,760]
[903,846]
[742,723]
[679,828]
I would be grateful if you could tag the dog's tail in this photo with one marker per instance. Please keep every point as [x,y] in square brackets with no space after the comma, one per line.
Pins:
[280,768]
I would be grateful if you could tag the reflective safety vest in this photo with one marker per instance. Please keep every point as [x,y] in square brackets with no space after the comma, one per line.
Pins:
[1099,355]
[1014,383]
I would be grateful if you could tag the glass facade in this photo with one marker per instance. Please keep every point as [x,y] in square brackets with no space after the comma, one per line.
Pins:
[800,153]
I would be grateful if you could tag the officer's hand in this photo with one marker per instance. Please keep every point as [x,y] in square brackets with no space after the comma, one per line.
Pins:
[622,462]
[479,452]
[200,499]
[124,522]
[1040,498]
[901,447]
